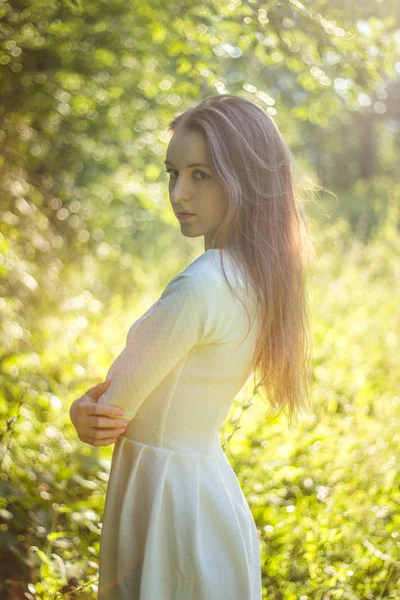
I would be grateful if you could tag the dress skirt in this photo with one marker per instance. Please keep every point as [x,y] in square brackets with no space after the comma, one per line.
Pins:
[176,526]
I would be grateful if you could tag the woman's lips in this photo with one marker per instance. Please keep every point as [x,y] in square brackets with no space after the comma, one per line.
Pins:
[184,216]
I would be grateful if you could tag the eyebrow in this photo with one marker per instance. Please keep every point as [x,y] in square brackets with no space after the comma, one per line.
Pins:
[199,164]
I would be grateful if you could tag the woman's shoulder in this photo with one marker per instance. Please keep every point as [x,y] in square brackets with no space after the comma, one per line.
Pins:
[202,276]
[219,273]
[224,284]
[203,286]
[209,262]
[213,274]
[206,269]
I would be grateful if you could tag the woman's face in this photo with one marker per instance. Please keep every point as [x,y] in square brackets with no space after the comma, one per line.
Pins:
[194,187]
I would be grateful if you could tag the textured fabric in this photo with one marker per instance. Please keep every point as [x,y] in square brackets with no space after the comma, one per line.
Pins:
[176,524]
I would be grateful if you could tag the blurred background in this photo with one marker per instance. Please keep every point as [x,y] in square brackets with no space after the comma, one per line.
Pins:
[88,241]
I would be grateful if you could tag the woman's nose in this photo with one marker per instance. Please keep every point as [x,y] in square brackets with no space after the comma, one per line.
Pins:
[181,190]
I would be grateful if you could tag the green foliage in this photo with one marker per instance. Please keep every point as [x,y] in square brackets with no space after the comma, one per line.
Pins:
[86,92]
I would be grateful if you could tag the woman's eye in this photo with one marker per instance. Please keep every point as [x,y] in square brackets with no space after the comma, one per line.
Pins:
[206,175]
[172,171]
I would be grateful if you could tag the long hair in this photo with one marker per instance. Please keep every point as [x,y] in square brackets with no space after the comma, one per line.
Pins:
[266,231]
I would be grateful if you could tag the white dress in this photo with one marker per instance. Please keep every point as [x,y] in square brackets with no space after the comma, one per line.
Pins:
[176,524]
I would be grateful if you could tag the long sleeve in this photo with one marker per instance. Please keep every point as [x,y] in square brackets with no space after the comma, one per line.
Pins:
[158,340]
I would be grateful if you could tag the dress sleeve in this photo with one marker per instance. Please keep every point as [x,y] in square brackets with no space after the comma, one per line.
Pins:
[157,341]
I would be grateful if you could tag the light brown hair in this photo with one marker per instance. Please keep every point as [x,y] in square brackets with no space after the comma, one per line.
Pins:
[266,230]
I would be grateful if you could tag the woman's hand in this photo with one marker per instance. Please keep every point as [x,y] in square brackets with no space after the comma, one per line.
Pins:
[97,424]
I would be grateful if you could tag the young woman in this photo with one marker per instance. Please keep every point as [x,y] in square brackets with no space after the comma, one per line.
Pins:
[176,523]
